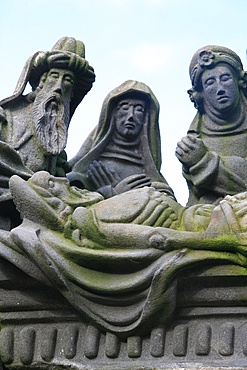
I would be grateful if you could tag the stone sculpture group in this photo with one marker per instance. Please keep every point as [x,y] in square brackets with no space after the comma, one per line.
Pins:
[104,228]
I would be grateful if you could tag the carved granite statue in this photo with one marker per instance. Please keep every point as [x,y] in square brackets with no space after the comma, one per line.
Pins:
[123,152]
[114,267]
[116,260]
[214,152]
[34,127]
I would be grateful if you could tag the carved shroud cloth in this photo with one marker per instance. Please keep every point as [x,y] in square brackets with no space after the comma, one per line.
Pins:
[127,303]
[124,289]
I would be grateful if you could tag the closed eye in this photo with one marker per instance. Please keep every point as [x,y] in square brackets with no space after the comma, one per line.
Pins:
[209,82]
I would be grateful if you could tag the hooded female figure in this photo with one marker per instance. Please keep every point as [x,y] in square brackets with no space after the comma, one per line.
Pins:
[123,152]
[214,152]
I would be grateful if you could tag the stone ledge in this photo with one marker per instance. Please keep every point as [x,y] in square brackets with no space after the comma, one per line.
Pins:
[201,336]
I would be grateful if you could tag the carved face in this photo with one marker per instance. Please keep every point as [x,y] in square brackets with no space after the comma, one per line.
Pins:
[220,90]
[60,81]
[51,111]
[130,117]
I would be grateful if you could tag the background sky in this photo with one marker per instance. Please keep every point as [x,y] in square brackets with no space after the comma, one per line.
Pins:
[151,41]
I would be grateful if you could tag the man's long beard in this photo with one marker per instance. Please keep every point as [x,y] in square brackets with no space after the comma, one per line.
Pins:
[51,121]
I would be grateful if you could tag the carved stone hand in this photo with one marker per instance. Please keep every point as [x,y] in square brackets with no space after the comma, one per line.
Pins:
[101,176]
[132,182]
[190,150]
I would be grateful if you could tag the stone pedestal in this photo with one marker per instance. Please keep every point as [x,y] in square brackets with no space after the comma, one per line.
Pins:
[40,330]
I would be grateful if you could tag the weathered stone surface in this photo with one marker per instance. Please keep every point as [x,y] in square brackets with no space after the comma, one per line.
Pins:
[34,127]
[200,335]
[214,153]
[135,281]
[124,151]
[115,260]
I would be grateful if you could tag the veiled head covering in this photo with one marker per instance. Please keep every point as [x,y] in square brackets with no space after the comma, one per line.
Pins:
[67,53]
[101,135]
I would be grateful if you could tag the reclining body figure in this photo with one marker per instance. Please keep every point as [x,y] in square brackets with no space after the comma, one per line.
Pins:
[116,260]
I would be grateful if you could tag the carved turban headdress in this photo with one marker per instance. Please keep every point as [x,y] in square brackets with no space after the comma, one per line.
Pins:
[67,53]
[208,57]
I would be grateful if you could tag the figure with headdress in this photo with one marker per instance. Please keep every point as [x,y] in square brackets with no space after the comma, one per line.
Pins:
[214,152]
[34,126]
[123,152]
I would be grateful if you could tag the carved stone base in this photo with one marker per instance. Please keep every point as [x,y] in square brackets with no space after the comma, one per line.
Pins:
[208,329]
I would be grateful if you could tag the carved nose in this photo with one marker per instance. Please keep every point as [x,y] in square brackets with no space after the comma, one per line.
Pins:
[220,90]
[58,86]
[58,90]
[130,114]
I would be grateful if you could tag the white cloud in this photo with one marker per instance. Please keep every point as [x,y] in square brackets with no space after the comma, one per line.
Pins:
[147,57]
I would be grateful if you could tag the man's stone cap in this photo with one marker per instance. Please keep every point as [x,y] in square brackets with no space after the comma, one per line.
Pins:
[207,57]
[67,53]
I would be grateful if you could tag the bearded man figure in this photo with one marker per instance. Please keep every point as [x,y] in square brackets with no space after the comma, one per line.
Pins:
[36,124]
[51,111]
[34,127]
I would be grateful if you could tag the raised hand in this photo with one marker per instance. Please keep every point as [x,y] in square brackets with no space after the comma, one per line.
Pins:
[190,150]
